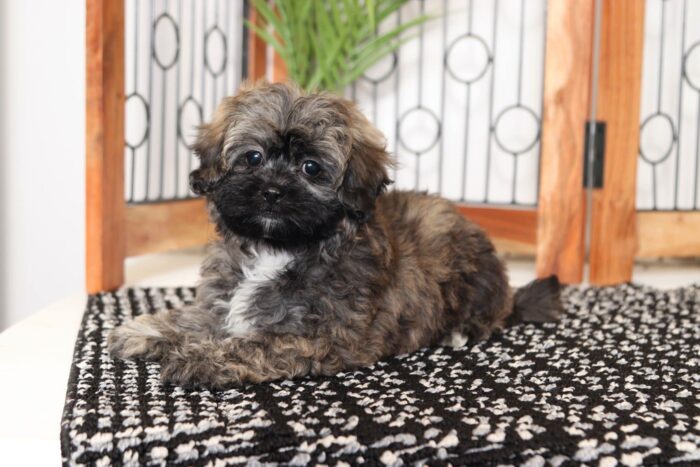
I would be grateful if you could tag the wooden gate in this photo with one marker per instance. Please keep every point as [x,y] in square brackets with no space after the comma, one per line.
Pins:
[554,230]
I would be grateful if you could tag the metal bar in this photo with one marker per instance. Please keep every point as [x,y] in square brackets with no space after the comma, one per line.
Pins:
[227,33]
[132,183]
[397,82]
[515,179]
[465,147]
[521,51]
[442,96]
[697,156]
[467,112]
[150,99]
[521,54]
[539,145]
[491,95]
[204,55]
[192,26]
[244,42]
[177,106]
[680,109]
[164,94]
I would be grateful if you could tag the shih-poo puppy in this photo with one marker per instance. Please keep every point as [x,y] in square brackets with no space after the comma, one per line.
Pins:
[317,269]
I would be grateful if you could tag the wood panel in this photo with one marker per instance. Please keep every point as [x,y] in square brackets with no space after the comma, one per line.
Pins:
[259,52]
[167,226]
[279,69]
[566,107]
[512,230]
[668,234]
[613,217]
[278,72]
[257,49]
[104,145]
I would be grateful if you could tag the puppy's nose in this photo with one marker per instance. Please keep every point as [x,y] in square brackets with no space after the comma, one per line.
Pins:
[272,194]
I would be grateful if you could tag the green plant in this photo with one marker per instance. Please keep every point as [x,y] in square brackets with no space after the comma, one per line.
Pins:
[329,43]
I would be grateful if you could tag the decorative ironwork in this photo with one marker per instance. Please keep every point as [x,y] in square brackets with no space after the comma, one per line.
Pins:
[468,38]
[195,57]
[440,142]
[669,146]
[465,117]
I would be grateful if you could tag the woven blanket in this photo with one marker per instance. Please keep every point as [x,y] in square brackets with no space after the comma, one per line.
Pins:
[616,382]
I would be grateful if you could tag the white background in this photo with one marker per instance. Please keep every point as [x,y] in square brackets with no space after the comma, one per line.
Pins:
[42,155]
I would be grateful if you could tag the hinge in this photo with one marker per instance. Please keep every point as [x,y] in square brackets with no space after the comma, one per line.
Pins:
[598,141]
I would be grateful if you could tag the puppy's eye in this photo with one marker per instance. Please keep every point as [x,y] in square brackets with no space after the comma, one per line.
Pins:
[311,168]
[254,158]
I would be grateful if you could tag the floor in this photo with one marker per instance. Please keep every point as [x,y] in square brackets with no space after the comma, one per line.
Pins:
[35,354]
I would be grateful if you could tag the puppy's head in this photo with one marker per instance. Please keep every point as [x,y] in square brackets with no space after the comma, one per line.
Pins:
[287,167]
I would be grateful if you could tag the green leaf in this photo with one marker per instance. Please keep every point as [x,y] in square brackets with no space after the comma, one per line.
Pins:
[267,37]
[371,12]
[330,43]
[387,38]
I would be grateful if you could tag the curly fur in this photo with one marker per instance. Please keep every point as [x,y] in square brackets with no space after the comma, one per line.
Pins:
[365,275]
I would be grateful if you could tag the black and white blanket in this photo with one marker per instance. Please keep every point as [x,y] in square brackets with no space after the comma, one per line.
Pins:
[616,382]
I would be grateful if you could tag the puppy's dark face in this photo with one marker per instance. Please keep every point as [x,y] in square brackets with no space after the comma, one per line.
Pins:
[286,167]
[280,187]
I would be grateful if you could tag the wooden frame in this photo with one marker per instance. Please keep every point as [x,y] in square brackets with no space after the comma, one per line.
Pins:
[567,96]
[554,231]
[257,50]
[166,226]
[115,230]
[613,209]
[668,233]
[513,231]
[104,144]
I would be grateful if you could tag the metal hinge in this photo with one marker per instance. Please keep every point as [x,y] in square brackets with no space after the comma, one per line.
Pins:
[597,139]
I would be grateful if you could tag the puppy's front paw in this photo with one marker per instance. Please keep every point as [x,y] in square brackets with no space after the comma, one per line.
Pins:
[201,364]
[138,338]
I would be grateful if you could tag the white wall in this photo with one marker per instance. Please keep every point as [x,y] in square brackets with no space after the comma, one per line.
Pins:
[42,156]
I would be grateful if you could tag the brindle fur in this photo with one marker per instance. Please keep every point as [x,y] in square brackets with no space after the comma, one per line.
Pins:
[373,274]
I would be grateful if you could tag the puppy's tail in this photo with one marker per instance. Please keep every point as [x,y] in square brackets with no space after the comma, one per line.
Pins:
[537,302]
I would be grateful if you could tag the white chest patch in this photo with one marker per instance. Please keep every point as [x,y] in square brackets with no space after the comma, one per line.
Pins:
[261,268]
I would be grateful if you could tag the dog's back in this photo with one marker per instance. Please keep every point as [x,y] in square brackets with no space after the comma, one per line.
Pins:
[449,257]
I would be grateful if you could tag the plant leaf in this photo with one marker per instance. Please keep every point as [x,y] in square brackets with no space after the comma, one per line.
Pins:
[330,43]
[267,37]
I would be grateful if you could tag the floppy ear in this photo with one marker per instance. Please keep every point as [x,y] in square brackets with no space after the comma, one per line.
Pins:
[208,147]
[366,174]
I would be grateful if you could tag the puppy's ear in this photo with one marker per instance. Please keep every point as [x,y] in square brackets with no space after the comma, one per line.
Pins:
[208,147]
[366,174]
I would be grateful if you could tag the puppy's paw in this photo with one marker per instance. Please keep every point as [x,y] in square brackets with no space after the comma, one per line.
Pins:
[456,340]
[138,338]
[202,365]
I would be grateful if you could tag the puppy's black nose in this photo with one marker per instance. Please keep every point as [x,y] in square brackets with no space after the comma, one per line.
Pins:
[272,194]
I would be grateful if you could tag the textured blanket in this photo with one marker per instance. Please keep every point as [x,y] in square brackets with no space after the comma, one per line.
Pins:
[617,381]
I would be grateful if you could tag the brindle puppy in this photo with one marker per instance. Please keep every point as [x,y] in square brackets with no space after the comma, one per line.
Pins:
[317,270]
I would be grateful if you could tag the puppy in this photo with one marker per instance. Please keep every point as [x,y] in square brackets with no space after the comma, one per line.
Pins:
[317,269]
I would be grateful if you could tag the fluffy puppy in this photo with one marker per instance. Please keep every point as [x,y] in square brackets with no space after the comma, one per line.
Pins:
[317,269]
